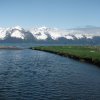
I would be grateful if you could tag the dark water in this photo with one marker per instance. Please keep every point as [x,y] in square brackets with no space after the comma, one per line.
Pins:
[36,75]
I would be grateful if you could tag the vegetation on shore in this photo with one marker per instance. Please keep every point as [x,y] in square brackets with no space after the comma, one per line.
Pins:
[89,54]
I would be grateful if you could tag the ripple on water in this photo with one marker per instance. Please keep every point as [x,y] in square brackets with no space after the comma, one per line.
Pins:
[36,75]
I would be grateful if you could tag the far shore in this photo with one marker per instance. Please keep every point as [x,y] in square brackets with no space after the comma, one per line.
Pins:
[9,48]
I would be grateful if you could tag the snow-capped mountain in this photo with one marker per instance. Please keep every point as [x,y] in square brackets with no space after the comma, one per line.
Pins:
[16,32]
[49,34]
[43,33]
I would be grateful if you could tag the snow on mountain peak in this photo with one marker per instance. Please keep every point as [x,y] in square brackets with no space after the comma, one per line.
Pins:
[17,27]
[42,33]
[42,28]
[17,34]
[3,33]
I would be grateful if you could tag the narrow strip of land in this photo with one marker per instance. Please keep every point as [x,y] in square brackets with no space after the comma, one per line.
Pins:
[9,48]
[89,54]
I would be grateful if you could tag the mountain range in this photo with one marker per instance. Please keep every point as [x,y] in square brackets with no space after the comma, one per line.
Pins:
[87,35]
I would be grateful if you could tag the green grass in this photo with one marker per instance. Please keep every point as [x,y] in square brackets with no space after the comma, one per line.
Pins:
[84,53]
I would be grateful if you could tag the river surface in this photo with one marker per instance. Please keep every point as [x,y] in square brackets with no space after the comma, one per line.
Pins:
[37,75]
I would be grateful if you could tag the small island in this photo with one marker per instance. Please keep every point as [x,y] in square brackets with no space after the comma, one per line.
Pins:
[90,54]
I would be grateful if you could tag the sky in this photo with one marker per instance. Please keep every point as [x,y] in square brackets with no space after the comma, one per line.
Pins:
[50,13]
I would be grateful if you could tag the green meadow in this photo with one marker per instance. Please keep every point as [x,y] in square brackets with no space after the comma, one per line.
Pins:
[89,54]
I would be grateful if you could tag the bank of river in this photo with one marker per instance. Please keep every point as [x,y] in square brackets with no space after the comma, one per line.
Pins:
[83,53]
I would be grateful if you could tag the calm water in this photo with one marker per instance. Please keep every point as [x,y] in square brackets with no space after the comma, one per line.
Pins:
[36,75]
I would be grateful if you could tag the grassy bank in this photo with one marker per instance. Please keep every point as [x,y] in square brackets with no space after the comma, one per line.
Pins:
[89,54]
